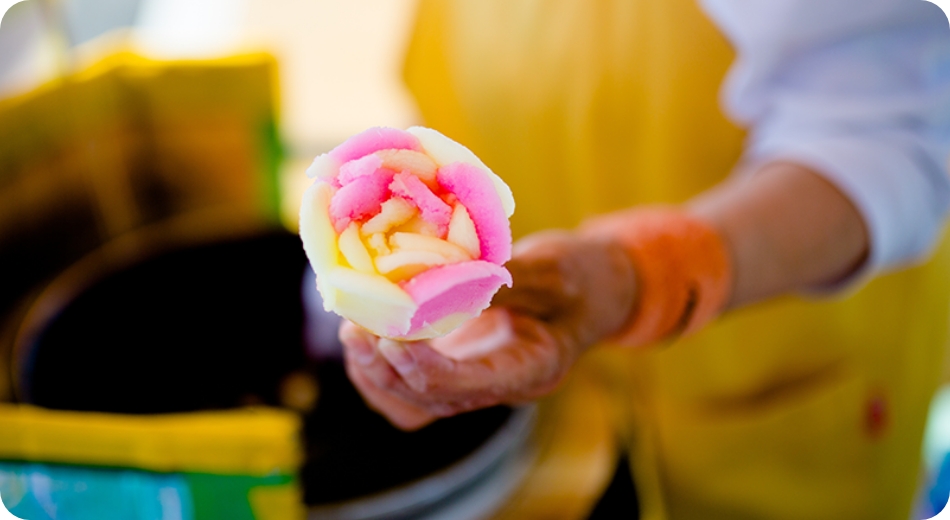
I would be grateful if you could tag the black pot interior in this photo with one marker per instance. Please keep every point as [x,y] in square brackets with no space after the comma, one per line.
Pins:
[219,326]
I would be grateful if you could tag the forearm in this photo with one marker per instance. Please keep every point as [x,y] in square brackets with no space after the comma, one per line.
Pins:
[787,229]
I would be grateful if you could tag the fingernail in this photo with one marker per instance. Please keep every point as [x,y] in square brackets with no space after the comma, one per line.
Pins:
[397,355]
[360,350]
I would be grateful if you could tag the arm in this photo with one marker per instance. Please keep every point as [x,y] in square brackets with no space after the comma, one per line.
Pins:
[845,178]
[788,229]
[855,91]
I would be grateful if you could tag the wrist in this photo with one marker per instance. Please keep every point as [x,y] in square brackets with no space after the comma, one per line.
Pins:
[625,286]
[683,271]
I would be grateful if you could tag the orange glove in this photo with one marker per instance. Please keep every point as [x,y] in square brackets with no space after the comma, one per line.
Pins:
[683,268]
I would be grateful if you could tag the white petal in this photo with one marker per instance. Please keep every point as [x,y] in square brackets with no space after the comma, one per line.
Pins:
[394,212]
[316,230]
[402,265]
[371,301]
[416,242]
[462,232]
[324,168]
[445,151]
[354,251]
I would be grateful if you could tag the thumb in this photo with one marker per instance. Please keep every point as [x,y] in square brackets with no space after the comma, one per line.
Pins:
[541,285]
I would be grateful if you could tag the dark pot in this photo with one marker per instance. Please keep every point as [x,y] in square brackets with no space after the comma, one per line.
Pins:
[221,323]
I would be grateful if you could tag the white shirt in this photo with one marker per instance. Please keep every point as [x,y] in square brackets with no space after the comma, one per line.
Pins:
[858,90]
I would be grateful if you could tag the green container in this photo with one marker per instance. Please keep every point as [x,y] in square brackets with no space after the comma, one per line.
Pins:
[233,465]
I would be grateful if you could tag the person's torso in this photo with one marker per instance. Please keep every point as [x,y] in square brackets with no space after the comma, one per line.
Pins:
[794,408]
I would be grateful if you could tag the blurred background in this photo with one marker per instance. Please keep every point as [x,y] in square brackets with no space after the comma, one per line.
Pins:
[340,61]
[163,351]
[151,166]
[338,73]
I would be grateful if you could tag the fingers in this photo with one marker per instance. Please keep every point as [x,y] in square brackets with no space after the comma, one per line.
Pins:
[415,362]
[402,379]
[513,361]
[477,337]
[532,362]
[434,378]
[582,284]
[358,344]
[569,291]
[401,414]
[536,290]
[408,364]
[540,286]
[364,368]
[362,356]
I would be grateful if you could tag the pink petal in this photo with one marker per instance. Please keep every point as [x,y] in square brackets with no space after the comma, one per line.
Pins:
[374,139]
[465,287]
[360,199]
[476,192]
[359,168]
[431,207]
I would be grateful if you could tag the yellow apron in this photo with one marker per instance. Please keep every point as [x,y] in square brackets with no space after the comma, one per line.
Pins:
[795,408]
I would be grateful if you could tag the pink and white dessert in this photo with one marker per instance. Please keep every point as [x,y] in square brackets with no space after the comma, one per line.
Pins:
[407,232]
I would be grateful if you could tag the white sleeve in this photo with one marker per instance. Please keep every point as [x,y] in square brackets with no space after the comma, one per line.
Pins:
[858,90]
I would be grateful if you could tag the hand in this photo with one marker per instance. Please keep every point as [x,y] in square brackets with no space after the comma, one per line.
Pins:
[568,293]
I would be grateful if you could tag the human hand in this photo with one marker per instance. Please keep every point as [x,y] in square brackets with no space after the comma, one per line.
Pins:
[569,292]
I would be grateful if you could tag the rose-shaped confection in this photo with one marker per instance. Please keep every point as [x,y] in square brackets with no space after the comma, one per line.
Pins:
[407,231]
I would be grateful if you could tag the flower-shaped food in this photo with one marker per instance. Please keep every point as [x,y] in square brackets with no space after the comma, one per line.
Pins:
[407,231]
